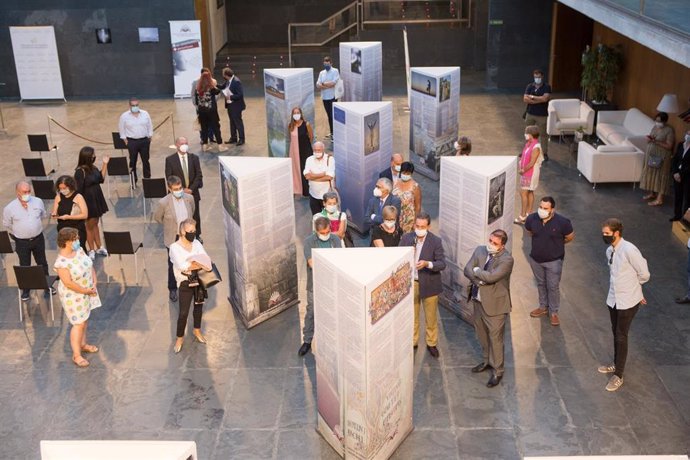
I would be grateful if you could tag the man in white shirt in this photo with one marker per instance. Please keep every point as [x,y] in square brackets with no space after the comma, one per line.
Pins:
[326,82]
[628,273]
[136,130]
[319,170]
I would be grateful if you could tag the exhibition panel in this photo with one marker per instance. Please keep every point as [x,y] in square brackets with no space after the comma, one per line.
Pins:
[361,71]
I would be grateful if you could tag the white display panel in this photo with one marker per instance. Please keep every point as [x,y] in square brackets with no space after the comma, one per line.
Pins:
[362,148]
[361,71]
[285,89]
[364,317]
[477,196]
[37,63]
[259,216]
[118,450]
[434,116]
[185,42]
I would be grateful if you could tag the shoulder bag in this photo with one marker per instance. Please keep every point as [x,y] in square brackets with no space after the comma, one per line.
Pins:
[209,278]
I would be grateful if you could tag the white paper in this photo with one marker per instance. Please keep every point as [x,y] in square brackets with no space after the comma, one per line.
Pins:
[95,301]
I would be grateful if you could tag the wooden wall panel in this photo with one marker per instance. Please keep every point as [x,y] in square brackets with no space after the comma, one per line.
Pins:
[571,33]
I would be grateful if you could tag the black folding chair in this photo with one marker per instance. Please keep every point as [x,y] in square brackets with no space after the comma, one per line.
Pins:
[118,166]
[33,167]
[5,246]
[32,277]
[44,188]
[120,243]
[39,143]
[154,188]
[119,144]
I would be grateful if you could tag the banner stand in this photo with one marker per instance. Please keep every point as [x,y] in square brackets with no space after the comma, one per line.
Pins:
[36,60]
[187,58]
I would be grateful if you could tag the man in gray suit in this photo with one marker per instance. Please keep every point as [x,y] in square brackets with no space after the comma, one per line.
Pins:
[489,270]
[382,198]
[171,210]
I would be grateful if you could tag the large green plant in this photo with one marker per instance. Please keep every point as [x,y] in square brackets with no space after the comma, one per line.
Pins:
[600,68]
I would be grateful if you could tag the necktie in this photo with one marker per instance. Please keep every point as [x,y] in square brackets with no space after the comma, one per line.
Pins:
[184,171]
[381,206]
[475,287]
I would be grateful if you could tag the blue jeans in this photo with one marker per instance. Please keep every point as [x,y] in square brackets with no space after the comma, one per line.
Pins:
[548,277]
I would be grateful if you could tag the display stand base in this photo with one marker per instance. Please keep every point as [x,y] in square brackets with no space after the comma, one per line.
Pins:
[263,316]
[331,438]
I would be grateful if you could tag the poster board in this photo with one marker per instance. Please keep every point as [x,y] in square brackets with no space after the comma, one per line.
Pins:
[434,116]
[477,196]
[364,318]
[117,450]
[187,59]
[36,60]
[361,71]
[259,217]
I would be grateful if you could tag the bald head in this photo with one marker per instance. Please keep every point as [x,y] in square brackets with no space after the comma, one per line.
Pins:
[396,161]
[182,145]
[22,186]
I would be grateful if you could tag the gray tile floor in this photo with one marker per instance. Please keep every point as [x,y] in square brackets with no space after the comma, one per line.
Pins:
[247,395]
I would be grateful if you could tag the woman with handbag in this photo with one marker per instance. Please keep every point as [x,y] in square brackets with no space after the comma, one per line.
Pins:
[656,171]
[69,207]
[185,255]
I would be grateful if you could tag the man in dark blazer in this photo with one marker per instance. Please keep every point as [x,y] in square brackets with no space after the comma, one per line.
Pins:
[187,167]
[234,103]
[429,261]
[382,198]
[394,170]
[680,169]
[489,271]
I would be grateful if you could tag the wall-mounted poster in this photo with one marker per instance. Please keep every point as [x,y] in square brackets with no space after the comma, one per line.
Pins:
[148,35]
[103,36]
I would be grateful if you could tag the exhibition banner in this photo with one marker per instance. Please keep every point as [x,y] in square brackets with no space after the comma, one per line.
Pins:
[37,63]
[187,60]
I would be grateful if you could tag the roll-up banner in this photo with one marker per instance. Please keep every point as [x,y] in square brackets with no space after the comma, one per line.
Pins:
[185,39]
[36,60]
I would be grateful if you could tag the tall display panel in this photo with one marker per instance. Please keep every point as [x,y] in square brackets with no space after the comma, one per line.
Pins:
[477,196]
[361,71]
[434,116]
[362,147]
[259,217]
[36,60]
[187,58]
[285,89]
[364,317]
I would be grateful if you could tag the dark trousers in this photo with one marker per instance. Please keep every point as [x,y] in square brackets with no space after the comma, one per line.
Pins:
[208,119]
[186,297]
[37,247]
[490,331]
[681,201]
[209,134]
[137,147]
[328,105]
[620,325]
[172,283]
[315,205]
[197,215]
[236,125]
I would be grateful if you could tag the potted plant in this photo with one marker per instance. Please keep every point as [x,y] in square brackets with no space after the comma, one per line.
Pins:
[579,134]
[600,68]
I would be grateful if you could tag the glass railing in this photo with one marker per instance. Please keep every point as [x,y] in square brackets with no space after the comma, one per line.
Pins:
[396,11]
[673,14]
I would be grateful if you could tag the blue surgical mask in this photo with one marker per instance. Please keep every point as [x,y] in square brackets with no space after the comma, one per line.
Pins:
[76,245]
[178,193]
[135,109]
[537,80]
[26,197]
[405,177]
[327,67]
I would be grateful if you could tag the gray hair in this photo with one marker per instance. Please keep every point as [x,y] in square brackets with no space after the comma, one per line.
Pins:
[319,144]
[321,223]
[174,180]
[386,182]
[20,183]
[186,222]
[330,195]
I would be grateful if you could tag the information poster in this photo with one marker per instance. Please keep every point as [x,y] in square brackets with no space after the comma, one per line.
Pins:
[477,196]
[361,71]
[259,217]
[364,319]
[285,89]
[434,116]
[185,40]
[36,60]
[362,148]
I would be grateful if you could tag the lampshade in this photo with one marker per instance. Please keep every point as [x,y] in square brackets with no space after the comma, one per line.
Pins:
[668,104]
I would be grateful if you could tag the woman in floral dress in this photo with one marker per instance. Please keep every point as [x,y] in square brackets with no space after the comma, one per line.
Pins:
[410,194]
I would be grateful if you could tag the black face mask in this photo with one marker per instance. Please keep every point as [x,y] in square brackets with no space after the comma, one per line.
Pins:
[608,239]
[190,236]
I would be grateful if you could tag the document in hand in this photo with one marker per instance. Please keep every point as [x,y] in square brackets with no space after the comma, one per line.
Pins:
[202,259]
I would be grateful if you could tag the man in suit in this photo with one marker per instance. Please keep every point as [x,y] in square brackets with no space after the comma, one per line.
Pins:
[680,169]
[234,103]
[489,271]
[187,167]
[171,210]
[429,261]
[394,170]
[382,198]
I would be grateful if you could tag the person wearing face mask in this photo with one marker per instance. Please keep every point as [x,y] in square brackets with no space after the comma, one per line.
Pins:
[187,167]
[321,237]
[331,211]
[301,137]
[628,272]
[319,171]
[136,130]
[656,171]
[388,233]
[680,170]
[23,220]
[429,262]
[463,146]
[182,252]
[550,233]
[171,211]
[326,82]
[537,95]
[529,167]
[383,197]
[69,207]
[489,271]
[89,179]
[393,173]
[77,291]
[410,194]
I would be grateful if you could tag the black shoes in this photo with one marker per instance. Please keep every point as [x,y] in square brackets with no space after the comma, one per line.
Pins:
[674,219]
[304,349]
[480,368]
[494,380]
[433,351]
[173,295]
[682,300]
[240,142]
[231,141]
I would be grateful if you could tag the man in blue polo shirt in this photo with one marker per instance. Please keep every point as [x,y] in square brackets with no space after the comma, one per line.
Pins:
[537,95]
[550,232]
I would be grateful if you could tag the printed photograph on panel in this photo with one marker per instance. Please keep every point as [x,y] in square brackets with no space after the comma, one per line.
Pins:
[328,402]
[272,281]
[389,293]
[235,269]
[356,61]
[423,84]
[444,88]
[274,86]
[497,191]
[371,133]
[230,195]
[276,121]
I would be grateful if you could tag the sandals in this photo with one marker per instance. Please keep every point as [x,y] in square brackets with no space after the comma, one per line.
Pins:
[520,220]
[81,362]
[655,203]
[89,349]
[649,196]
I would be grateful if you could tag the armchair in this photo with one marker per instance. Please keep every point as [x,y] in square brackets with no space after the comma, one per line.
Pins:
[567,115]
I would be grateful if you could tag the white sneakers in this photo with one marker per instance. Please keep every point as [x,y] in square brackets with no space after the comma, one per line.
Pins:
[92,254]
[102,252]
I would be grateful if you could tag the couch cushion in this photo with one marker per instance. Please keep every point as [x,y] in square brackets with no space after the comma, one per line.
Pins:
[617,148]
[612,134]
[570,123]
[637,123]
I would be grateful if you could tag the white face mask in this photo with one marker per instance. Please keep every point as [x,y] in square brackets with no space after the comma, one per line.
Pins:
[658,124]
[405,177]
[184,148]
[377,192]
[526,137]
[492,248]
[687,138]
[397,168]
[537,80]
[65,191]
[318,155]
[331,208]
[456,146]
[296,116]
[26,197]
[389,223]
[135,109]
[420,233]
[325,237]
[543,213]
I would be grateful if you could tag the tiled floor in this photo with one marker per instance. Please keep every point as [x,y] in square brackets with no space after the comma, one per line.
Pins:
[247,395]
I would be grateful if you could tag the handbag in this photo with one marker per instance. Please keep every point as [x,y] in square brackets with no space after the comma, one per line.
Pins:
[655,161]
[209,278]
[339,88]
